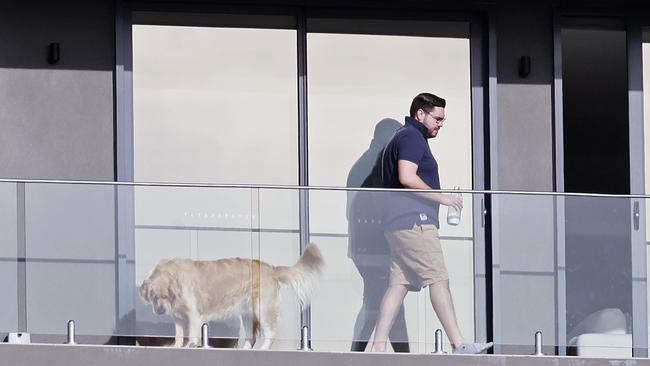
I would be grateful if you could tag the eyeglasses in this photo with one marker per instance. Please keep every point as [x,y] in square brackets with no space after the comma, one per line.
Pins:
[438,119]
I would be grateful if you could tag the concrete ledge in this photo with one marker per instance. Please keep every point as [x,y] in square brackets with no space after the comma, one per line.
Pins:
[82,355]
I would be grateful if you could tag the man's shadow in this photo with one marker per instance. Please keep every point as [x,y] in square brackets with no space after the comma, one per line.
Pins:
[367,246]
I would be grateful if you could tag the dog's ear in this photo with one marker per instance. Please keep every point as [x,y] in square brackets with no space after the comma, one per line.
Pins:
[174,289]
[144,292]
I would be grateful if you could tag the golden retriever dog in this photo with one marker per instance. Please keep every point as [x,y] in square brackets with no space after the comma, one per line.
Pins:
[194,292]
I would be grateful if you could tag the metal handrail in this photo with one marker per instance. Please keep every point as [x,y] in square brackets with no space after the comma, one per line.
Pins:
[319,188]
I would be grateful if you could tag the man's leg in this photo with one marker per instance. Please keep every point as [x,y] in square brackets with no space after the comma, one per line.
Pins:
[374,287]
[444,308]
[390,305]
[398,334]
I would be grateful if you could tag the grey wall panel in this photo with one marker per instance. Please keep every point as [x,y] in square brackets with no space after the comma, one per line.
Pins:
[56,124]
[530,306]
[523,227]
[57,292]
[57,120]
[525,143]
[70,221]
[526,299]
[524,104]
[526,241]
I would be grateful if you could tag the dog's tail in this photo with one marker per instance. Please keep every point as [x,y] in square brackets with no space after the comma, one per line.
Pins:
[304,275]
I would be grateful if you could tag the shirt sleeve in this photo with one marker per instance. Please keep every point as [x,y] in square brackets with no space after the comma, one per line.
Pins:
[409,148]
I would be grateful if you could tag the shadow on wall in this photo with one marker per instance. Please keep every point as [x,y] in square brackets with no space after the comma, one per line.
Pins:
[367,246]
[148,329]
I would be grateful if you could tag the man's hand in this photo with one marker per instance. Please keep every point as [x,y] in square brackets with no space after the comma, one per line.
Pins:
[408,176]
[452,200]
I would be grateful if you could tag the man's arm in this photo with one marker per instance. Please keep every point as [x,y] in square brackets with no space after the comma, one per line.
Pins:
[408,177]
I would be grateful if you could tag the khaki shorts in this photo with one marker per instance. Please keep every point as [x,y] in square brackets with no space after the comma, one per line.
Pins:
[417,259]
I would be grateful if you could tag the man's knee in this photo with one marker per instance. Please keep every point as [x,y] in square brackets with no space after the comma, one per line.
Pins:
[439,285]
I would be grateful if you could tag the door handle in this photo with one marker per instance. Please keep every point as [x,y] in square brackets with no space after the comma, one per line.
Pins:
[637,215]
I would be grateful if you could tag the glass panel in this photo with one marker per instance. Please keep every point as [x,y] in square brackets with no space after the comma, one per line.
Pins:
[233,90]
[524,266]
[595,161]
[193,223]
[279,245]
[346,306]
[215,104]
[363,76]
[360,89]
[576,281]
[358,261]
[70,265]
[70,259]
[8,257]
[598,233]
[598,265]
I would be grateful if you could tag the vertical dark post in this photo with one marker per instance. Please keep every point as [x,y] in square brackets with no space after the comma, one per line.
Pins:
[303,158]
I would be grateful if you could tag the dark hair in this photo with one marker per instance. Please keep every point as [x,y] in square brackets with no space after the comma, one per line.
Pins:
[426,102]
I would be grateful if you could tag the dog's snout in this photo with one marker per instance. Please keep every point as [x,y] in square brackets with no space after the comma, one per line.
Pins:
[160,310]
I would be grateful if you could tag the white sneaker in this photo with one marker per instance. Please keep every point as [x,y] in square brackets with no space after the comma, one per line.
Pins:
[471,348]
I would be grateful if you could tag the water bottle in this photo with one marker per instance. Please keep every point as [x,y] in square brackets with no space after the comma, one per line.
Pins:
[453,215]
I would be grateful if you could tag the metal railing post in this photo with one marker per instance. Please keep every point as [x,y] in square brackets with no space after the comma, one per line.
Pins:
[304,339]
[538,344]
[438,343]
[70,339]
[205,341]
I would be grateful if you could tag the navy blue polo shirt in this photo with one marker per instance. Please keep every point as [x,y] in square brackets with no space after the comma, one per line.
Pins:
[403,210]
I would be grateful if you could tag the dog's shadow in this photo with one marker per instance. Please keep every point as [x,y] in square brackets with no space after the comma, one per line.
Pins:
[141,327]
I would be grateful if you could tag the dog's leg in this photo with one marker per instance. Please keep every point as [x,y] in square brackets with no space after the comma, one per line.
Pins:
[250,327]
[185,324]
[194,333]
[178,338]
[268,322]
[246,327]
[268,333]
[250,319]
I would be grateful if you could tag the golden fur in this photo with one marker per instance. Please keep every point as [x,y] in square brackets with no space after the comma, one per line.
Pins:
[195,292]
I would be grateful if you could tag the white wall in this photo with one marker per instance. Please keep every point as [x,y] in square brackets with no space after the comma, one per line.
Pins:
[215,105]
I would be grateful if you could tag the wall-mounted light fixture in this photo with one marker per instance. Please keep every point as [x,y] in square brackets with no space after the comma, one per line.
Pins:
[53,53]
[524,66]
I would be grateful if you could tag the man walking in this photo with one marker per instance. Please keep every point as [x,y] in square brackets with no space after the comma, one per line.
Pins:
[411,223]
